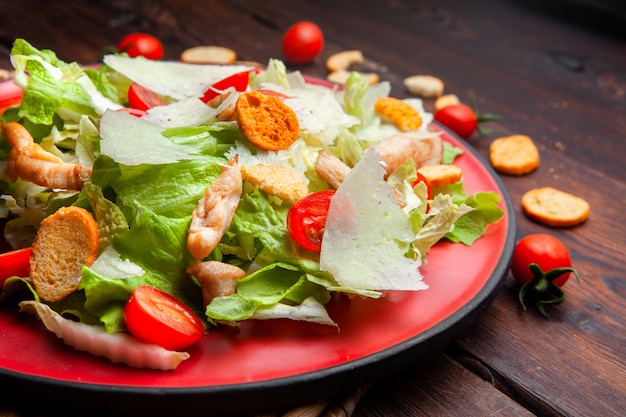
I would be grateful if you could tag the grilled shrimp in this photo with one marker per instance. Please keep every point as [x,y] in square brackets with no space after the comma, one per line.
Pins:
[217,278]
[215,211]
[29,161]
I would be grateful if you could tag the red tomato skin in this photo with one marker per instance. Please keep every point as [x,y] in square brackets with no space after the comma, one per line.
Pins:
[14,264]
[544,250]
[459,118]
[154,316]
[306,219]
[239,81]
[140,98]
[141,44]
[302,43]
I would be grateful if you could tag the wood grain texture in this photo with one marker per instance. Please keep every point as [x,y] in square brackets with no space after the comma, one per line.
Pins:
[555,71]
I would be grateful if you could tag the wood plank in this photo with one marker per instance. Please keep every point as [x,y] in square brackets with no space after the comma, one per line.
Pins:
[437,387]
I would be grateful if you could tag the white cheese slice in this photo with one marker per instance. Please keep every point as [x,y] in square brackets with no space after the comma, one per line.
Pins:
[367,234]
[172,79]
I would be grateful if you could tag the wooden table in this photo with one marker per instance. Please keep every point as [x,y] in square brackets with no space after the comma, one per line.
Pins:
[555,71]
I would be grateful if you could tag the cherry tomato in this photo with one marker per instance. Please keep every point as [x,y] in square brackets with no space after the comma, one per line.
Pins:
[141,44]
[239,81]
[154,316]
[302,43]
[544,250]
[306,219]
[140,98]
[460,118]
[14,263]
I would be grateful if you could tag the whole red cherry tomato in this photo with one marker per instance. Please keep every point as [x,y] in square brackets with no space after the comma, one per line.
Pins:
[302,43]
[460,118]
[141,44]
[14,264]
[306,219]
[544,250]
[140,98]
[541,263]
[154,316]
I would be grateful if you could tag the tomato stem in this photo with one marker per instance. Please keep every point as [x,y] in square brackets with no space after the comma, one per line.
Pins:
[481,118]
[542,290]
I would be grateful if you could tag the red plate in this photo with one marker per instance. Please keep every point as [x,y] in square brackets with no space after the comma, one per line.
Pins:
[265,365]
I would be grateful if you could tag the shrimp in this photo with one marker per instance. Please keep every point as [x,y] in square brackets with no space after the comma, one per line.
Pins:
[215,211]
[217,278]
[29,161]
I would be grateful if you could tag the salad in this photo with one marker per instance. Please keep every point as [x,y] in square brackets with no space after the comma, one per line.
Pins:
[156,136]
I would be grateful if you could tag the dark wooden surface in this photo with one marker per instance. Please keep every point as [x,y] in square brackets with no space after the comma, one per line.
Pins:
[553,70]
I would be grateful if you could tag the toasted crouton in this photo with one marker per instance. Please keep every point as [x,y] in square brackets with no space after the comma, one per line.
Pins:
[514,155]
[277,180]
[425,86]
[209,54]
[65,241]
[555,208]
[397,149]
[441,175]
[266,121]
[404,116]
[344,60]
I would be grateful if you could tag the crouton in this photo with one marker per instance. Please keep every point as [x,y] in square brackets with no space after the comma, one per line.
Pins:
[277,180]
[404,116]
[445,101]
[554,208]
[425,86]
[344,60]
[514,155]
[441,175]
[209,54]
[266,121]
[65,241]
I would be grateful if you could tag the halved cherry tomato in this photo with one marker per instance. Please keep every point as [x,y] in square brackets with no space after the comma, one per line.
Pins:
[154,316]
[306,219]
[141,44]
[239,81]
[141,98]
[14,264]
[302,43]
[544,250]
[460,118]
